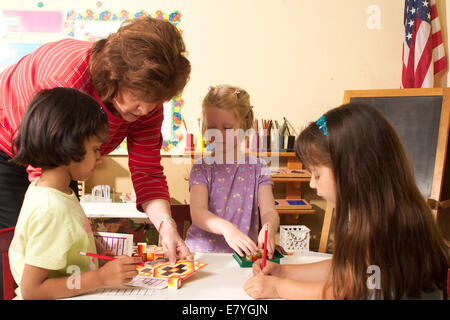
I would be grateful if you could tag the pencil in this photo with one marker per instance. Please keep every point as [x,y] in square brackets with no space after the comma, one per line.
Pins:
[185,126]
[95,255]
[265,247]
[99,256]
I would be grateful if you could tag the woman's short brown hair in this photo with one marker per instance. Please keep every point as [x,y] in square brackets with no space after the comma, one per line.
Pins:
[146,56]
[55,126]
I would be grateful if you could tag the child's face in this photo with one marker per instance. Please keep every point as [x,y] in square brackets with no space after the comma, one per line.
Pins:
[129,107]
[322,179]
[219,121]
[82,170]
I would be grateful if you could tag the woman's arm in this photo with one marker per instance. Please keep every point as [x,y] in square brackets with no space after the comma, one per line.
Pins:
[158,211]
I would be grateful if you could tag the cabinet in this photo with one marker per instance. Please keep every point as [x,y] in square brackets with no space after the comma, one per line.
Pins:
[286,162]
[292,175]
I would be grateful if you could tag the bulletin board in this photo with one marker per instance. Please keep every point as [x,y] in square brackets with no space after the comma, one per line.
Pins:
[23,30]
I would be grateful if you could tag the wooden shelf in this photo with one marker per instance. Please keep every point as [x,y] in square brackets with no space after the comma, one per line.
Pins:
[304,211]
[291,179]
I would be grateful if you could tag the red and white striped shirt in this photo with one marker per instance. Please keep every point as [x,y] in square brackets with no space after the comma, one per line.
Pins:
[65,63]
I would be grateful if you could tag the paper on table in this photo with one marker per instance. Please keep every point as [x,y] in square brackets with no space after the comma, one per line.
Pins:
[148,282]
[127,291]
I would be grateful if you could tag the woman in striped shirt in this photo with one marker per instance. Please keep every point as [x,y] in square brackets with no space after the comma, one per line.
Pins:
[131,74]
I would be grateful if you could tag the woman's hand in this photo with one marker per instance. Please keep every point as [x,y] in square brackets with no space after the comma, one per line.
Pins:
[174,247]
[238,240]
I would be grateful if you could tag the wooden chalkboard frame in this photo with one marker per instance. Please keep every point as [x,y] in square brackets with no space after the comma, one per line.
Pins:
[444,125]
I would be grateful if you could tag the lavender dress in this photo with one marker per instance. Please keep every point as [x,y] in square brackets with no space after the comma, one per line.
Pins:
[233,196]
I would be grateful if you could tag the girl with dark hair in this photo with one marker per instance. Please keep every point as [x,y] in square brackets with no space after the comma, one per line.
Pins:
[61,132]
[382,222]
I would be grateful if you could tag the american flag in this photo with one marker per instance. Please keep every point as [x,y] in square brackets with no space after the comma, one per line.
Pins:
[423,49]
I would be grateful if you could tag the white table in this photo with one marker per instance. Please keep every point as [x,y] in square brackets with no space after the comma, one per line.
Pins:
[221,279]
[112,210]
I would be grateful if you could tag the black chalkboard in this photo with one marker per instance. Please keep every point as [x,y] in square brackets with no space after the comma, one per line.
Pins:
[416,120]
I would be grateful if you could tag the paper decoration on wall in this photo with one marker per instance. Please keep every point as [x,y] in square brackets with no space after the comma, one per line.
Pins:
[121,149]
[15,23]
[85,24]
[11,52]
[171,128]
[32,21]
[176,120]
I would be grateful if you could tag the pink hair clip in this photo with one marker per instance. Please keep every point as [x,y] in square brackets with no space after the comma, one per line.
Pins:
[237,92]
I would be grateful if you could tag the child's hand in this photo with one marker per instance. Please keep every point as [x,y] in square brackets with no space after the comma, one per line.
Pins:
[108,253]
[239,241]
[270,241]
[119,271]
[271,268]
[262,287]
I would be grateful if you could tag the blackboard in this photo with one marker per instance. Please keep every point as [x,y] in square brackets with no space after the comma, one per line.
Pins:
[416,115]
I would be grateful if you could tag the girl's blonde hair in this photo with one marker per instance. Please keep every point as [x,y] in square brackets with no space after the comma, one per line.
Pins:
[230,98]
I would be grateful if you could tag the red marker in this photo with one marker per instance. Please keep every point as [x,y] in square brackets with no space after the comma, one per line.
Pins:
[96,255]
[99,256]
[265,247]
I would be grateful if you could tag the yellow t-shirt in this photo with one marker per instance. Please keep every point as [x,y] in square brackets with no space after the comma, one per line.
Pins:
[51,229]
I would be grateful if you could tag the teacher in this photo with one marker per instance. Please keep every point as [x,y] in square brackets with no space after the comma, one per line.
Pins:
[131,74]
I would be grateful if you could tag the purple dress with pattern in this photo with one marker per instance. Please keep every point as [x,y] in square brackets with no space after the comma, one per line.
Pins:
[232,195]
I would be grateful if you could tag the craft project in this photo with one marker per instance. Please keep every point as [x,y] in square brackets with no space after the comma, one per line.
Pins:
[293,204]
[171,275]
[247,261]
[157,273]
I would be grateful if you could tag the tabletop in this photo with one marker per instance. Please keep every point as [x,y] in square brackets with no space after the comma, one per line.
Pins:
[221,279]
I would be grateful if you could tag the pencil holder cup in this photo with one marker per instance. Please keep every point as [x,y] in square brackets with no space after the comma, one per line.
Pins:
[189,142]
[254,143]
[290,144]
[281,144]
[265,143]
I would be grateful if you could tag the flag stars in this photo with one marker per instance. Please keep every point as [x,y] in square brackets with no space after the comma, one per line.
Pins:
[425,3]
[409,36]
[411,23]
